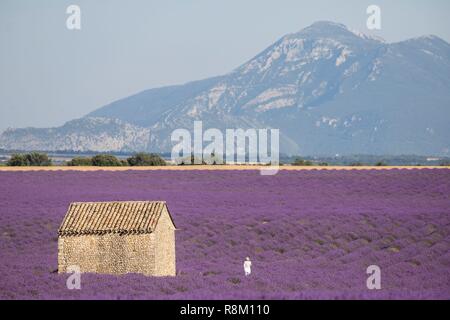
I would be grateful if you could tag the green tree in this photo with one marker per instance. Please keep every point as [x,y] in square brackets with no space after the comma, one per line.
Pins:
[80,161]
[146,159]
[38,159]
[106,160]
[17,160]
[29,159]
[301,162]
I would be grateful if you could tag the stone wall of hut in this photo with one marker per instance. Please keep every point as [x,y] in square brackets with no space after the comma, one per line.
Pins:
[165,260]
[109,253]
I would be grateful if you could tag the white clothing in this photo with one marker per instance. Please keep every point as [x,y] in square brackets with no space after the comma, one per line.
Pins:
[247,267]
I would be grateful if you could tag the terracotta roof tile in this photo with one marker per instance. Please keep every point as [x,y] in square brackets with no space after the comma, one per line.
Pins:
[111,217]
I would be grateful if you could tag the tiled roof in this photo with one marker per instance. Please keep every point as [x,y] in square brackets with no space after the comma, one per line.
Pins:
[130,217]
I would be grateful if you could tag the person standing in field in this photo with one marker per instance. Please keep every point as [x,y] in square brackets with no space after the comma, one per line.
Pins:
[247,266]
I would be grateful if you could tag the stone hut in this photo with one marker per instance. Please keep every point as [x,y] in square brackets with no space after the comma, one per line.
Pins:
[118,238]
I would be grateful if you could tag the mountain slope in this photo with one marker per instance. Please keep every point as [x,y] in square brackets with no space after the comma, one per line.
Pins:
[86,134]
[328,89]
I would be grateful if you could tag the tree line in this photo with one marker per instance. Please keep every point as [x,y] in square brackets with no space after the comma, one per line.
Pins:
[100,160]
[143,159]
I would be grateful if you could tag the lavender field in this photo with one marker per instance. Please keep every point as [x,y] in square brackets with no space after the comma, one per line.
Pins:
[310,234]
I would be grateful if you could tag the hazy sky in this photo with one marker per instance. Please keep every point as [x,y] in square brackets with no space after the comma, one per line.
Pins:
[49,74]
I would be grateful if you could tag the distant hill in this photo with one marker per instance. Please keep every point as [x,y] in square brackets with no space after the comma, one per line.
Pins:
[328,89]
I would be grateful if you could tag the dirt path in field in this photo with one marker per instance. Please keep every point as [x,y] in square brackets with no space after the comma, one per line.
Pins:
[216,167]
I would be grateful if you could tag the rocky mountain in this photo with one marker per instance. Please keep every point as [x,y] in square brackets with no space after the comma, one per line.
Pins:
[328,89]
[91,133]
